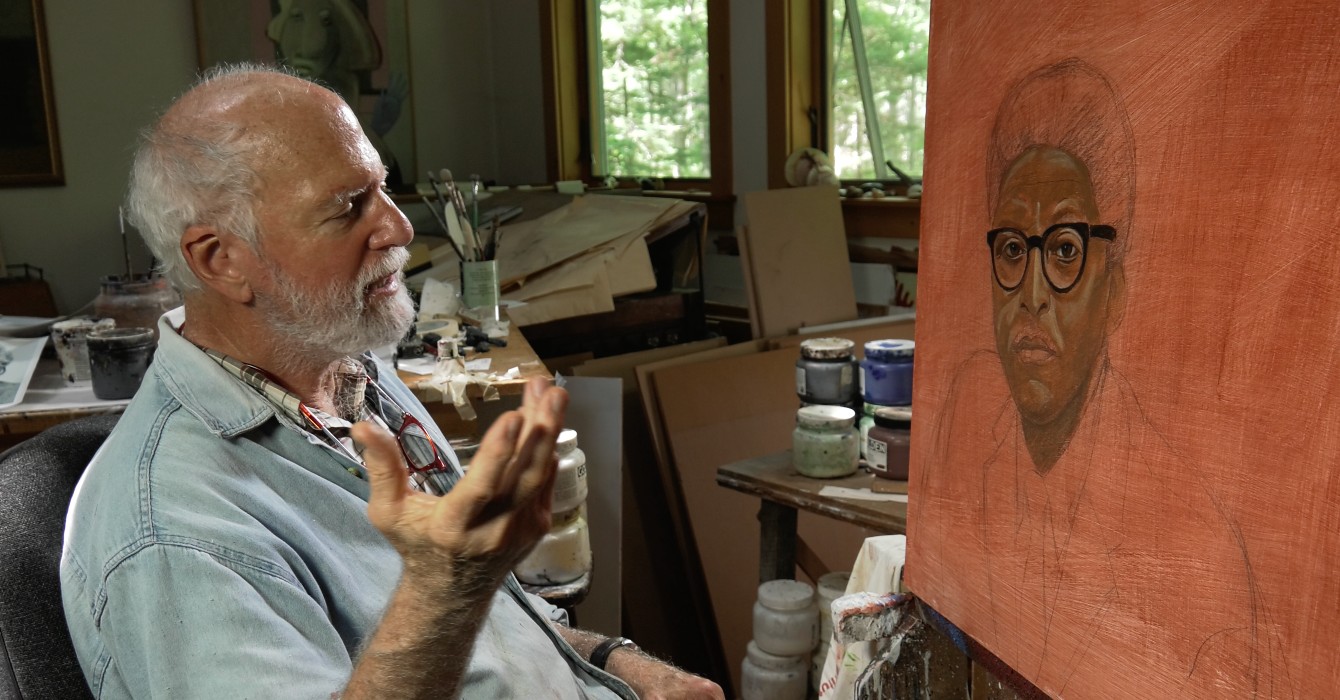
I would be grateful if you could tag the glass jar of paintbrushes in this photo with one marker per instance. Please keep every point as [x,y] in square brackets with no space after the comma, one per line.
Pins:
[475,242]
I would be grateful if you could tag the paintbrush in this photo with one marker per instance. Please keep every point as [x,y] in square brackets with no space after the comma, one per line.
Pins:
[445,228]
[437,189]
[474,201]
[492,249]
[125,246]
[458,203]
[442,201]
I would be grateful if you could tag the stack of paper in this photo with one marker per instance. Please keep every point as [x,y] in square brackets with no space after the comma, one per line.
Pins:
[572,261]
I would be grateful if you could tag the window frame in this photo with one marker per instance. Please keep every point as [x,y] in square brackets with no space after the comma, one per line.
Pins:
[798,52]
[565,32]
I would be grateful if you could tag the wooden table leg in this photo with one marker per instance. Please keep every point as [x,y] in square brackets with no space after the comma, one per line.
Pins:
[777,541]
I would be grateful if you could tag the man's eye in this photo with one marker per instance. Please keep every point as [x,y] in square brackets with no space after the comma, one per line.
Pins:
[1013,250]
[1067,252]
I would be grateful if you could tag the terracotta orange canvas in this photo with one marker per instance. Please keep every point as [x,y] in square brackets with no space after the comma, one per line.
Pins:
[1125,478]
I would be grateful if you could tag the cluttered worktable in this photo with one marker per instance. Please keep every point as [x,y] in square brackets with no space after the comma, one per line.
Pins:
[49,401]
[783,491]
[600,273]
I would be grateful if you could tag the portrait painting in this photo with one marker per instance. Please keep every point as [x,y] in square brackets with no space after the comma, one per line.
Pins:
[1125,469]
[358,48]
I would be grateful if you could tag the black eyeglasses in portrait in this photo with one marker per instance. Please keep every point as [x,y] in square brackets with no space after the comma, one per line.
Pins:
[1064,248]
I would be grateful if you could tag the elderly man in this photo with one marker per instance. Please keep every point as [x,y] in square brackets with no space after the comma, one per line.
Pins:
[217,546]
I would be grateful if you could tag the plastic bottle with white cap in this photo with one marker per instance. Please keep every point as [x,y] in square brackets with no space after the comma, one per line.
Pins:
[563,555]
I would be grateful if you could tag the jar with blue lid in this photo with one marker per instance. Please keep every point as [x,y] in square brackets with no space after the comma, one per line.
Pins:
[886,372]
[826,372]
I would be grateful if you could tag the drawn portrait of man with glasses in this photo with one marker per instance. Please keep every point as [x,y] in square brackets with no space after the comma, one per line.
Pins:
[1056,242]
[1071,531]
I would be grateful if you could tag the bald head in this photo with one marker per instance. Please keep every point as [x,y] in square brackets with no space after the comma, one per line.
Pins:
[216,149]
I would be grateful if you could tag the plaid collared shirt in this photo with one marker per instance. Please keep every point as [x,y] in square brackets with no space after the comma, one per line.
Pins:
[351,382]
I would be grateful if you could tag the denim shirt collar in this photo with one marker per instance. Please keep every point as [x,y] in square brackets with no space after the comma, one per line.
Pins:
[226,406]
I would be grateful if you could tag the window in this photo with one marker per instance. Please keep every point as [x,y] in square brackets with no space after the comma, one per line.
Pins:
[639,89]
[649,78]
[877,53]
[822,85]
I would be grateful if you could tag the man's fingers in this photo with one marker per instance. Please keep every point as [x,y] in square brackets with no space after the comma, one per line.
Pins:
[539,452]
[386,470]
[495,452]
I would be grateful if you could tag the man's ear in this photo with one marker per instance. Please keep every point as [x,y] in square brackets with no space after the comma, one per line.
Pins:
[1116,296]
[219,260]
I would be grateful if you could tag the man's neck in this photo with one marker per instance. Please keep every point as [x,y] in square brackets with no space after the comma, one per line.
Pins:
[308,373]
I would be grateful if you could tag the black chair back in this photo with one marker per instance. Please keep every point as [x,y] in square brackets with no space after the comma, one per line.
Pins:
[37,477]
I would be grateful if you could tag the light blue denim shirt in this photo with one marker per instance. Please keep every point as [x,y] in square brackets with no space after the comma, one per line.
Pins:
[213,550]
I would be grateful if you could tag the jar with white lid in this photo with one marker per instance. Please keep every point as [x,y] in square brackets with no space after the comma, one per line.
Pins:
[826,372]
[767,676]
[563,555]
[825,443]
[570,488]
[786,623]
[830,587]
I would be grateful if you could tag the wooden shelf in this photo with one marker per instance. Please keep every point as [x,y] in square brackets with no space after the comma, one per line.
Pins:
[889,217]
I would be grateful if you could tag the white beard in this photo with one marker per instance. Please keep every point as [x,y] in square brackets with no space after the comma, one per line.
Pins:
[338,319]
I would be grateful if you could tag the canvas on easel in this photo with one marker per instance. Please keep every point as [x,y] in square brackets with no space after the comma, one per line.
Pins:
[1125,480]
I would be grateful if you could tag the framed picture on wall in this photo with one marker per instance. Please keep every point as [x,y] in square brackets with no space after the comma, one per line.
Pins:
[358,48]
[29,141]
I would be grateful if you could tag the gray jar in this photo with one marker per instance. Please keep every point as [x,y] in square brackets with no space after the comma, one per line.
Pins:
[826,372]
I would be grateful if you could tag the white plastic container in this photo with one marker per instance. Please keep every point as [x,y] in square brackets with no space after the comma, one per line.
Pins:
[831,586]
[561,556]
[786,621]
[767,676]
[570,485]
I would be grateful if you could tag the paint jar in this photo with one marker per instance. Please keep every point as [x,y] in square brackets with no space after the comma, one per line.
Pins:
[866,422]
[563,555]
[826,372]
[135,302]
[888,447]
[70,337]
[831,586]
[825,443]
[767,676]
[118,360]
[886,372]
[570,488]
[786,623]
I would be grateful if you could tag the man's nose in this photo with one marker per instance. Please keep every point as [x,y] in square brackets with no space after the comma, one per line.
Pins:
[1035,292]
[392,228]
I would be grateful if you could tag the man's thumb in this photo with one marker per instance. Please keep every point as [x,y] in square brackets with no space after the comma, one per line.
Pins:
[386,469]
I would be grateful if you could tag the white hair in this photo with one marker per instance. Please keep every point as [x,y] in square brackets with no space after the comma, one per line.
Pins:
[195,170]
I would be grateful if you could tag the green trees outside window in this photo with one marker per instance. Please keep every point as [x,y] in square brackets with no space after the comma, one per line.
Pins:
[650,83]
[895,35]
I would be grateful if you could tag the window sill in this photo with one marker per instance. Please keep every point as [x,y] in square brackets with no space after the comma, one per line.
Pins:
[887,217]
